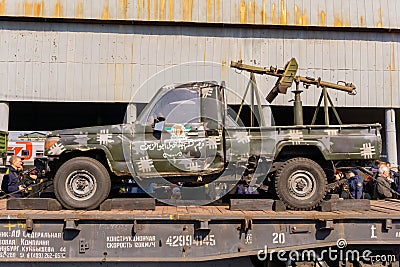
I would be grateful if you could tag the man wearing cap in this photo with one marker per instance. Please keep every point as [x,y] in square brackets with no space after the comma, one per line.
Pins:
[355,184]
[11,183]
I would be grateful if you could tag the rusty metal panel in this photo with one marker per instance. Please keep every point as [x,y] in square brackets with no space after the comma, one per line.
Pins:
[358,19]
[368,20]
[345,13]
[376,14]
[384,14]
[352,13]
[226,15]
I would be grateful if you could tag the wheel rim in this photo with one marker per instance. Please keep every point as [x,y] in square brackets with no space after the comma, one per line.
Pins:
[81,185]
[302,184]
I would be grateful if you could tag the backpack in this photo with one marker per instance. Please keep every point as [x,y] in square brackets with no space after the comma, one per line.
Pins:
[375,195]
[4,183]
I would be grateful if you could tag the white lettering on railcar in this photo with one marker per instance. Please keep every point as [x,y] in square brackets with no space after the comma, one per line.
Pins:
[125,241]
[189,240]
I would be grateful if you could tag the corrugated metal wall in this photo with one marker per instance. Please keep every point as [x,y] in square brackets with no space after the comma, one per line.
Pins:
[338,13]
[107,63]
[103,62]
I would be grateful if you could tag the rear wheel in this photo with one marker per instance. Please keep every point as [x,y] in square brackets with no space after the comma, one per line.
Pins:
[82,183]
[300,183]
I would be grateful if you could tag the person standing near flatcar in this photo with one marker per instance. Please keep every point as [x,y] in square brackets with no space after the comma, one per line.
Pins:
[12,181]
[355,184]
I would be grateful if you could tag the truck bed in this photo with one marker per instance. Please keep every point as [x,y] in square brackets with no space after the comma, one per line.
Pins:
[187,234]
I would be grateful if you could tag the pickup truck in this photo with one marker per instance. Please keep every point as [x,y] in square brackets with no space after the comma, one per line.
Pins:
[186,139]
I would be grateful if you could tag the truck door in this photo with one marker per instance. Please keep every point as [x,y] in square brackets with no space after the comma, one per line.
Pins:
[172,137]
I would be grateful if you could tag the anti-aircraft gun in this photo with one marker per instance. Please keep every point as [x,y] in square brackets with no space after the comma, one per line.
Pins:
[287,76]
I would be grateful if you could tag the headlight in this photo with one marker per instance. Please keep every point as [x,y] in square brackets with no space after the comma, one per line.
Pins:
[50,141]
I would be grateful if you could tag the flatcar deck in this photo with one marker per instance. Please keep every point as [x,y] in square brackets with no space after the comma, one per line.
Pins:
[379,209]
[188,234]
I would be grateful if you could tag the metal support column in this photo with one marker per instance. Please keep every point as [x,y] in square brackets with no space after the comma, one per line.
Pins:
[131,113]
[4,116]
[391,145]
[267,113]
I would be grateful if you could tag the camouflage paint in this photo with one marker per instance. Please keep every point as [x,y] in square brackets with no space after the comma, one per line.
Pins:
[152,157]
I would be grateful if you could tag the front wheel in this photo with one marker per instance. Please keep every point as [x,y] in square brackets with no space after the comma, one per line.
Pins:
[300,183]
[82,183]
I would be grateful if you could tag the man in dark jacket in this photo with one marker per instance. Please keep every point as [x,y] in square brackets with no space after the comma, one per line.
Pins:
[355,184]
[11,183]
[383,184]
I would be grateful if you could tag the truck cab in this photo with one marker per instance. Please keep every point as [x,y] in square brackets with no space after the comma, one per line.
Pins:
[180,133]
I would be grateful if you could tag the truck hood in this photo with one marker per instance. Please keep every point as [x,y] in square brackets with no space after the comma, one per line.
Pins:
[112,129]
[107,137]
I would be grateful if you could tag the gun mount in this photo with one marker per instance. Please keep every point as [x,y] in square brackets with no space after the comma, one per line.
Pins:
[287,76]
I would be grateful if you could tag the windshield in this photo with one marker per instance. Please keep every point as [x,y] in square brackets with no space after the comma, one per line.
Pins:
[179,105]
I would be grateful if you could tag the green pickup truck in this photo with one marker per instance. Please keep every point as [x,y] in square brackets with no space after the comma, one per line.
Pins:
[186,139]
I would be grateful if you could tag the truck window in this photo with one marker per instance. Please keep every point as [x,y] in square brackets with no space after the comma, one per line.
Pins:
[25,152]
[10,152]
[179,105]
[212,108]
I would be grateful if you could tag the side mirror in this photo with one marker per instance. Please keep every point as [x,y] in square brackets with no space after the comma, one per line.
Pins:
[159,124]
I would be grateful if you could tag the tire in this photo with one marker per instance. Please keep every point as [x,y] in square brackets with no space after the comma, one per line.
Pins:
[300,183]
[94,179]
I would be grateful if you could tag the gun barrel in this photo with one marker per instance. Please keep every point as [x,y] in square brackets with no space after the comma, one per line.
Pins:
[346,87]
[254,69]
